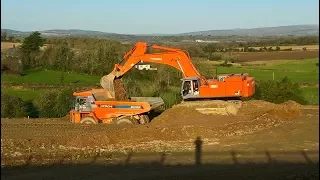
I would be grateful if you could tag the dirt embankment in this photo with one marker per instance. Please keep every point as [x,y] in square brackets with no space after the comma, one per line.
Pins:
[190,114]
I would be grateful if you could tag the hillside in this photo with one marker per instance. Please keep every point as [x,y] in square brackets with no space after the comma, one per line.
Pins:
[263,31]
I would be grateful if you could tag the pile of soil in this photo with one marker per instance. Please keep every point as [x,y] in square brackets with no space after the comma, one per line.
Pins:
[186,113]
[289,109]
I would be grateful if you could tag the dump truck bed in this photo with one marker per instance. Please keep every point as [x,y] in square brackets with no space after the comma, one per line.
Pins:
[154,102]
[135,106]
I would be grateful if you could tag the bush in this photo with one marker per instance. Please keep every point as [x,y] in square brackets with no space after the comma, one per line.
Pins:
[54,104]
[12,106]
[31,110]
[132,88]
[279,91]
[225,64]
[214,57]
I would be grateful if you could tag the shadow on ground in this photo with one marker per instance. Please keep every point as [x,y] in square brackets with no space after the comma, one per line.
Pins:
[167,166]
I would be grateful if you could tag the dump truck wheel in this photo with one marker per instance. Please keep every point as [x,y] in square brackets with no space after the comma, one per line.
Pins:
[144,119]
[125,120]
[88,120]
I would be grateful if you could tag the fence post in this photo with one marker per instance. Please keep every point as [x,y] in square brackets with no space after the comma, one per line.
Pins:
[272,75]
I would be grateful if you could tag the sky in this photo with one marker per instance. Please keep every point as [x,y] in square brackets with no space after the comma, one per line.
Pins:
[155,17]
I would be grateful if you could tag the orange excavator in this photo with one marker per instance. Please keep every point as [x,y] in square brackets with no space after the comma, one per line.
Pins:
[194,85]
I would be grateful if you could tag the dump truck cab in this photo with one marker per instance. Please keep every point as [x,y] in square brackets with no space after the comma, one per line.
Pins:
[97,106]
[83,103]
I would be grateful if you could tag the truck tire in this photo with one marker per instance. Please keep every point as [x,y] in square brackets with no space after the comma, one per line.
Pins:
[144,119]
[88,120]
[125,120]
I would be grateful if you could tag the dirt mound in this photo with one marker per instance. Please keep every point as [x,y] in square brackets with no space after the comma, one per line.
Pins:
[288,109]
[201,112]
[292,104]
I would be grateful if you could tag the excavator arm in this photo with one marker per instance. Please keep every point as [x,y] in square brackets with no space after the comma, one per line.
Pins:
[176,58]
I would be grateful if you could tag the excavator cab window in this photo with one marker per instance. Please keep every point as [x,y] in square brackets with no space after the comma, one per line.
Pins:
[190,88]
[186,88]
[195,85]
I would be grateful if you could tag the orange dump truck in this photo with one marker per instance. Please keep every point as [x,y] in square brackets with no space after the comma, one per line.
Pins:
[97,106]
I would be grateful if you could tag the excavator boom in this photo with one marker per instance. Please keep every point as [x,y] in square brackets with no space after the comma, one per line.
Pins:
[176,58]
[194,85]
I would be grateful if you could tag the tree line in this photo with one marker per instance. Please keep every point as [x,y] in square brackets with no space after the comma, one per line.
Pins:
[95,56]
[6,38]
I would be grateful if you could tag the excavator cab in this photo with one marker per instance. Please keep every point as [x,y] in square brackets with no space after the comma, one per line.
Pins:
[190,87]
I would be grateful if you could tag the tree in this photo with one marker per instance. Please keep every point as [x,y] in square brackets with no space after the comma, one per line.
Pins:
[3,36]
[32,43]
[11,38]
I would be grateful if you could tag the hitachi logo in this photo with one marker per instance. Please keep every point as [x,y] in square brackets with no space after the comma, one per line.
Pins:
[156,59]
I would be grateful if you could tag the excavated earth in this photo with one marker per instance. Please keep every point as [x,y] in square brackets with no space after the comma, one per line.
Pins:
[253,125]
[120,90]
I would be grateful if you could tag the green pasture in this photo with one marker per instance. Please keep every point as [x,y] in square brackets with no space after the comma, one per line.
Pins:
[51,77]
[24,94]
[306,65]
[299,71]
[311,95]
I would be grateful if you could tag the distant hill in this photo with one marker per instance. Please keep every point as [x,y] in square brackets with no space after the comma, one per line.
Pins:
[295,30]
[229,35]
[59,32]
[263,31]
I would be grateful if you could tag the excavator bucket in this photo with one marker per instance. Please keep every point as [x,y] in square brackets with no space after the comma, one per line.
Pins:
[107,83]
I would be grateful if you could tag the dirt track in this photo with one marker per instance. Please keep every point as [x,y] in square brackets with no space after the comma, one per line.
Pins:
[257,126]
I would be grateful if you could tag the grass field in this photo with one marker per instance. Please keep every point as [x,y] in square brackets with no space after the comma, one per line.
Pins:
[311,95]
[300,71]
[307,65]
[51,77]
[299,77]
[24,94]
